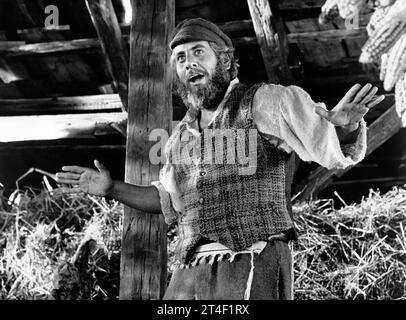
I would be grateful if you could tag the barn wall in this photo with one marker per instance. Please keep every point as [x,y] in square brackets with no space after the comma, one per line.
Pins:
[16,159]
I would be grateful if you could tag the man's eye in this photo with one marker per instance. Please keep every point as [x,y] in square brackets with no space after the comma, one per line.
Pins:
[181,58]
[199,51]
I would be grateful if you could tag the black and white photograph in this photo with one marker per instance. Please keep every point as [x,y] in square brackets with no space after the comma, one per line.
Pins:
[227,151]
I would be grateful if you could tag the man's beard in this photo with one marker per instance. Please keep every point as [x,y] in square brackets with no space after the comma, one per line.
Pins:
[206,96]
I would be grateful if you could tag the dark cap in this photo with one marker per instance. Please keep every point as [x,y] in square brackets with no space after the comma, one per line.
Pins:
[198,29]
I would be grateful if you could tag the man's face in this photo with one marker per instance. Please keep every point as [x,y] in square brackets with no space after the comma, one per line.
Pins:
[195,63]
[201,79]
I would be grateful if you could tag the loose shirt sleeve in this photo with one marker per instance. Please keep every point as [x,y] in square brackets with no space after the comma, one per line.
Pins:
[169,193]
[286,115]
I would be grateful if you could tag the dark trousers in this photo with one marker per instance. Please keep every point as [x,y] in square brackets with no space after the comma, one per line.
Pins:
[273,279]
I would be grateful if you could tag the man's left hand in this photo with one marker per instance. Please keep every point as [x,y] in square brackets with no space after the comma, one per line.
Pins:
[352,108]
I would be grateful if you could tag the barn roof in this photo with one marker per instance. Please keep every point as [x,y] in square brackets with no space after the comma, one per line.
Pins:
[38,62]
[61,74]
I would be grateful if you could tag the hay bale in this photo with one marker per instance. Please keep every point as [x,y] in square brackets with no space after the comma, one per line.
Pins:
[357,252]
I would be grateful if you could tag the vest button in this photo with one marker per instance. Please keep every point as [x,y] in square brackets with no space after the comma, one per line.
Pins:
[201,200]
[203,173]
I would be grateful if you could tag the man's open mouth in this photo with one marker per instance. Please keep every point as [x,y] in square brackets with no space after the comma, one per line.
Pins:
[196,78]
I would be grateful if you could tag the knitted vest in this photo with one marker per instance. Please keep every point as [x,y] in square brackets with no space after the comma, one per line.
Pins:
[227,200]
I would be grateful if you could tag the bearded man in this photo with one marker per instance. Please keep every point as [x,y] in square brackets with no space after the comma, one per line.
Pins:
[231,221]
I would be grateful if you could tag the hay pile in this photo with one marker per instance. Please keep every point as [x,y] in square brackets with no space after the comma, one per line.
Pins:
[61,246]
[357,252]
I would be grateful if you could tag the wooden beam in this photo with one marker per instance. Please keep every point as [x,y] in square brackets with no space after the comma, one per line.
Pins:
[48,47]
[272,39]
[300,4]
[230,27]
[327,35]
[143,254]
[304,37]
[9,45]
[55,127]
[382,129]
[398,179]
[114,48]
[20,48]
[101,102]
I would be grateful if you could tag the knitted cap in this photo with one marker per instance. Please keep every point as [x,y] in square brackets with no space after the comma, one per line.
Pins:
[198,29]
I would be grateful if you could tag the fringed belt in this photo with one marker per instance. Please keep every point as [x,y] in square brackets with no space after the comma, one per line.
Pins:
[215,251]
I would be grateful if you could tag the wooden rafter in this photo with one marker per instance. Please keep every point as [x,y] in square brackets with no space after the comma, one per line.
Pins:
[20,48]
[114,47]
[272,39]
[299,4]
[102,102]
[386,126]
[55,127]
[143,255]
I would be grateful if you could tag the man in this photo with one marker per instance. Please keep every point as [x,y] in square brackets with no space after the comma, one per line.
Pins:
[233,215]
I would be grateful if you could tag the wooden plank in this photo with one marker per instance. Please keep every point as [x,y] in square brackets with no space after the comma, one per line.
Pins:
[103,102]
[317,53]
[20,48]
[112,43]
[49,47]
[272,40]
[143,255]
[326,35]
[300,4]
[54,127]
[392,180]
[9,45]
[230,27]
[41,34]
[312,36]
[382,129]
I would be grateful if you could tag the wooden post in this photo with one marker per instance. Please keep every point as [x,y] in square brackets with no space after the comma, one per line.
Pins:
[114,48]
[382,129]
[272,39]
[143,256]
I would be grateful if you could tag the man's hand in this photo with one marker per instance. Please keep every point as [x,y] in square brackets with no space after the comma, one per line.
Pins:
[95,182]
[352,108]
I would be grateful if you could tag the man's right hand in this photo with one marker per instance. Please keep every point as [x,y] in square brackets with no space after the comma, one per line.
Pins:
[95,182]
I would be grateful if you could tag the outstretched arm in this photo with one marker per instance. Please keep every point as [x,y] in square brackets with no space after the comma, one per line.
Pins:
[99,182]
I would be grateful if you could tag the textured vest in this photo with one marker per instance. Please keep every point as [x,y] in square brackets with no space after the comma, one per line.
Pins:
[235,203]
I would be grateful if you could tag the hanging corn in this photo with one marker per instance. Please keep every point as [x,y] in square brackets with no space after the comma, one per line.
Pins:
[400,98]
[384,65]
[376,17]
[396,64]
[383,38]
[343,8]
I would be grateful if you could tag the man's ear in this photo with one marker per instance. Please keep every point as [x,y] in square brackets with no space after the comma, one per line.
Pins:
[226,61]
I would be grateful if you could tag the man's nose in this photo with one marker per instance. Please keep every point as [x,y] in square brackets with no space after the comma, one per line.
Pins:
[191,64]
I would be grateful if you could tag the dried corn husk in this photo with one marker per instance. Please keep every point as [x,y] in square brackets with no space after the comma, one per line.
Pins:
[384,65]
[396,64]
[343,8]
[397,12]
[386,34]
[376,17]
[400,98]
[329,11]
[347,8]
